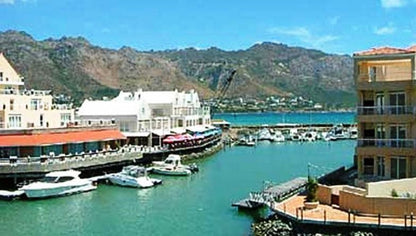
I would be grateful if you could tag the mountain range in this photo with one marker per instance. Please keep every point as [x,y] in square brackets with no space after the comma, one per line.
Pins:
[75,67]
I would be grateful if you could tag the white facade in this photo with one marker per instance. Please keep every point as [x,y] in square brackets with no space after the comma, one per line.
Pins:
[141,112]
[22,109]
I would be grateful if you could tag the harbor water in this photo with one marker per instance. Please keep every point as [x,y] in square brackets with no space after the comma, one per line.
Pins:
[199,204]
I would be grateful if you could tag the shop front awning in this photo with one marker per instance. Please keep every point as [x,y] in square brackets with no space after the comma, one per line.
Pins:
[18,140]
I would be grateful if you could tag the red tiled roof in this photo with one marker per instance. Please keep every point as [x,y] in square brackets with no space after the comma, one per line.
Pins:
[59,138]
[384,51]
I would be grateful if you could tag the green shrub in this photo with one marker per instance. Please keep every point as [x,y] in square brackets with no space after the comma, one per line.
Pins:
[311,188]
[394,193]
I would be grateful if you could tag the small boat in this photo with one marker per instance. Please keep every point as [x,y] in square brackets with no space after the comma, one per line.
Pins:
[353,131]
[294,135]
[171,170]
[310,136]
[278,137]
[264,134]
[246,141]
[337,133]
[174,160]
[133,176]
[58,183]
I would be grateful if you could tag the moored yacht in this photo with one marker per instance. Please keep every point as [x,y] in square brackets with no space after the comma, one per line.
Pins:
[133,176]
[58,183]
[171,170]
[174,160]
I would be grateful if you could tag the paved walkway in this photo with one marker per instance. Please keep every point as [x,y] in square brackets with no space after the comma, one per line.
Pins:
[333,215]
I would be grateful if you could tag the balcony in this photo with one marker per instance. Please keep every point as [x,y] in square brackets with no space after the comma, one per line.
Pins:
[380,81]
[390,114]
[385,77]
[386,110]
[387,143]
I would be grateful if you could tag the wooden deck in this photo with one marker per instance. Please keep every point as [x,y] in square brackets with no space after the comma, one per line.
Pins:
[272,194]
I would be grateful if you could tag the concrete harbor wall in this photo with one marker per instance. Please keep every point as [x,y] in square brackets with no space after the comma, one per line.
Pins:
[15,171]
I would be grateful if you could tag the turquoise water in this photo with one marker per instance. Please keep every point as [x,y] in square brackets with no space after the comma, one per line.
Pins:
[196,205]
[287,117]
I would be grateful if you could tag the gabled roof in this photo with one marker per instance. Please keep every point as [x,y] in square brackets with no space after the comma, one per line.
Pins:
[386,51]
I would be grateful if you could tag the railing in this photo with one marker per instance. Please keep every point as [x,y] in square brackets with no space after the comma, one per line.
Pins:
[394,143]
[25,92]
[386,110]
[385,77]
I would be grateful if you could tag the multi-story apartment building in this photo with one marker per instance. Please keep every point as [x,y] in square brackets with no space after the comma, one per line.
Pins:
[21,108]
[386,113]
[148,115]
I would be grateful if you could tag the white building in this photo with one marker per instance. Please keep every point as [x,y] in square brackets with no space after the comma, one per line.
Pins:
[23,109]
[146,116]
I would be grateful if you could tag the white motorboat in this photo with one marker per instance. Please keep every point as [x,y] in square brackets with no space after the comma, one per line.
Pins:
[310,136]
[171,170]
[337,133]
[353,131]
[133,176]
[58,183]
[294,135]
[278,137]
[174,160]
[264,134]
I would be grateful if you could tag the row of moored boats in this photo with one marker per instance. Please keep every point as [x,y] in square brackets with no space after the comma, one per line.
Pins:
[59,183]
[336,133]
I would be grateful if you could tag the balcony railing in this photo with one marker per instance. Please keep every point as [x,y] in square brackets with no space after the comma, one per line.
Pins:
[391,143]
[386,110]
[385,77]
[25,92]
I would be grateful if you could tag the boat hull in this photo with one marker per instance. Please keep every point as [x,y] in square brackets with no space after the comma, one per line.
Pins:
[141,182]
[164,171]
[58,191]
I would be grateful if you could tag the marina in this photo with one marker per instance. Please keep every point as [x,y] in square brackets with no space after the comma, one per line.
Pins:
[162,209]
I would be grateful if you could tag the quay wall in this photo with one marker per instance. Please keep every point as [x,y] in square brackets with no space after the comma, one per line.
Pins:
[376,205]
[15,171]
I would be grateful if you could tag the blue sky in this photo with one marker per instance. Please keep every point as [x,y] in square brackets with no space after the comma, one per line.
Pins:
[334,26]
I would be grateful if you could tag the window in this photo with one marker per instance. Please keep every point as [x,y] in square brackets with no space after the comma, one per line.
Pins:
[397,103]
[380,103]
[65,118]
[41,120]
[35,104]
[397,134]
[380,166]
[11,104]
[1,76]
[373,71]
[124,126]
[398,167]
[368,166]
[15,121]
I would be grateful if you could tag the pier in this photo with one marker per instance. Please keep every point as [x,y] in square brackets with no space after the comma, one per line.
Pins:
[272,193]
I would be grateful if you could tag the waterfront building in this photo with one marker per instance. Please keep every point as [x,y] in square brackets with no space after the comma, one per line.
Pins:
[27,109]
[38,136]
[385,79]
[146,117]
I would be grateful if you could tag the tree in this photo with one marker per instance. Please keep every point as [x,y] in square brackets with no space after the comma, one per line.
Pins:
[311,188]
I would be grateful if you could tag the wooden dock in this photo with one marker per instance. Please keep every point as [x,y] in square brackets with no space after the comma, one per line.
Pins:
[272,193]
